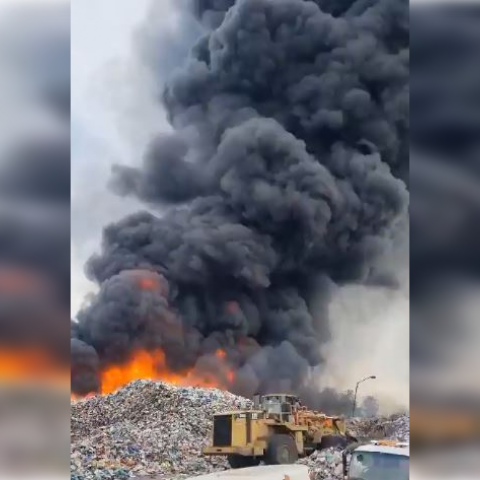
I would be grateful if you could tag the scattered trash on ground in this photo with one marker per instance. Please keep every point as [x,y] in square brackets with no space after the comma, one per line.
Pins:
[325,464]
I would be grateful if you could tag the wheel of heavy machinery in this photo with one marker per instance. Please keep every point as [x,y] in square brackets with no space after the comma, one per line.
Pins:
[281,450]
[239,461]
[329,441]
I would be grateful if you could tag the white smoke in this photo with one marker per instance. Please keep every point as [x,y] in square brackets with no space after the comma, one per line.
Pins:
[370,329]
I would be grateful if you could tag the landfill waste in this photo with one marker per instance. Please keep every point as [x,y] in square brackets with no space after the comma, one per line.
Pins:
[157,431]
[324,464]
[394,427]
[327,464]
[146,428]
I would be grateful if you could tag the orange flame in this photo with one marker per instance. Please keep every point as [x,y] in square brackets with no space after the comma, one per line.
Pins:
[220,354]
[148,284]
[146,365]
[152,365]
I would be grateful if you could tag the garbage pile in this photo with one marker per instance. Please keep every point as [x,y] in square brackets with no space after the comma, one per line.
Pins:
[156,429]
[146,428]
[395,427]
[325,464]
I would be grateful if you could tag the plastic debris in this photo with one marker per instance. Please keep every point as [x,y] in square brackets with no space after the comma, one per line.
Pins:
[325,464]
[395,427]
[147,428]
[156,431]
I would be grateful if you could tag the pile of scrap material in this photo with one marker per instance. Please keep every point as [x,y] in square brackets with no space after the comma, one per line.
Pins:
[156,429]
[146,428]
[325,464]
[395,427]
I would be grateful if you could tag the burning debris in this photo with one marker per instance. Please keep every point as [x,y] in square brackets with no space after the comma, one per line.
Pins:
[284,175]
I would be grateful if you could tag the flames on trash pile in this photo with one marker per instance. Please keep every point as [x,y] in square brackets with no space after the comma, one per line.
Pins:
[153,366]
[283,177]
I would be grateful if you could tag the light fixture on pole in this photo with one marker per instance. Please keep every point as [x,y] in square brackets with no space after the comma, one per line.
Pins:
[371,377]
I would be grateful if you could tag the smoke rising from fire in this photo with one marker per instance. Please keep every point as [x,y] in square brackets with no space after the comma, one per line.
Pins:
[283,176]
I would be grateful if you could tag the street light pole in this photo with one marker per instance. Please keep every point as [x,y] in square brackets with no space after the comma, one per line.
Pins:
[371,377]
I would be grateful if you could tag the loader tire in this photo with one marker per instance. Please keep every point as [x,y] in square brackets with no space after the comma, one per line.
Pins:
[281,450]
[239,461]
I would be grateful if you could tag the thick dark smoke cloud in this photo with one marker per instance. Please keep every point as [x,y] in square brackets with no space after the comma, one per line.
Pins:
[35,178]
[445,173]
[320,78]
[284,174]
[212,12]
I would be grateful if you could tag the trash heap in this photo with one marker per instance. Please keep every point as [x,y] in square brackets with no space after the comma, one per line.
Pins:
[395,427]
[156,429]
[325,464]
[146,428]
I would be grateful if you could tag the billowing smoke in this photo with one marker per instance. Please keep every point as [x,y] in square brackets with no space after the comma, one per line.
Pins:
[35,178]
[283,177]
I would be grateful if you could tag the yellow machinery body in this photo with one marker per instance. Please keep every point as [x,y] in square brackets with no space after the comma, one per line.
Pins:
[277,430]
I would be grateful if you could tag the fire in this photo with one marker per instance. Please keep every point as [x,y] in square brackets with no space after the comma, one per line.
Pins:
[31,365]
[150,281]
[148,284]
[220,354]
[153,366]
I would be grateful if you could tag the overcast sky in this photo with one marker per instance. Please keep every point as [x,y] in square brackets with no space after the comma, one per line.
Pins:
[109,91]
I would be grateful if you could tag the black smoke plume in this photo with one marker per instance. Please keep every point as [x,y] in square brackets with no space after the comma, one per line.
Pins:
[284,175]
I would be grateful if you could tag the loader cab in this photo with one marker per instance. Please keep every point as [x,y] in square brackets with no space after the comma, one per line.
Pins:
[280,406]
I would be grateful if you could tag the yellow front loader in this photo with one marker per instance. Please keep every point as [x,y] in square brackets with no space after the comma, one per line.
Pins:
[277,430]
